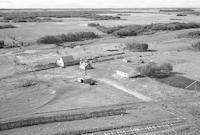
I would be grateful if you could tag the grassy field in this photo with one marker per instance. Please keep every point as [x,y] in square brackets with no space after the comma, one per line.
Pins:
[25,92]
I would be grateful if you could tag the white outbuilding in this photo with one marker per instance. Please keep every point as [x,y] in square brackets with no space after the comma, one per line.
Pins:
[126,60]
[85,65]
[127,72]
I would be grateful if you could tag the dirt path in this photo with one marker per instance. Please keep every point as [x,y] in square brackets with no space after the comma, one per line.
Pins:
[121,87]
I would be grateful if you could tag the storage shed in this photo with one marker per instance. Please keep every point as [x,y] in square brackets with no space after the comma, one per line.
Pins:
[85,65]
[127,72]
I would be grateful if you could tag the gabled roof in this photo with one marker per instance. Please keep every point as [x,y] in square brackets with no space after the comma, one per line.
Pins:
[127,69]
[68,58]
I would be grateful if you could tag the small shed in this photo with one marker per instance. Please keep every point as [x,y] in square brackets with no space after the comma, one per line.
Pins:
[127,72]
[126,60]
[85,65]
[87,81]
[66,61]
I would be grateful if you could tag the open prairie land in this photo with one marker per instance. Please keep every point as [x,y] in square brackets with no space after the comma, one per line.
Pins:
[39,98]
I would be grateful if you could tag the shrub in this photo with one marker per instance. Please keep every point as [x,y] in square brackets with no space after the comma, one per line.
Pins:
[131,30]
[109,30]
[154,70]
[28,83]
[181,15]
[93,24]
[196,46]
[124,32]
[138,47]
[2,44]
[49,40]
[71,37]
[173,26]
[193,34]
[166,67]
[123,14]
[104,17]
[134,30]
[17,20]
[7,26]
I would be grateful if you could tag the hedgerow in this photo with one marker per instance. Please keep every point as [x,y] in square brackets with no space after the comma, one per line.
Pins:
[71,37]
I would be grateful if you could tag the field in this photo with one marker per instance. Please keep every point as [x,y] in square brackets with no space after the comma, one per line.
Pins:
[38,97]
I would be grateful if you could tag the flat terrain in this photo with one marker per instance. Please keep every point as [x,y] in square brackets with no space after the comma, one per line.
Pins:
[149,103]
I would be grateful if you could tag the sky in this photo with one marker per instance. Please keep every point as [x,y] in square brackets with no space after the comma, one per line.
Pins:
[99,3]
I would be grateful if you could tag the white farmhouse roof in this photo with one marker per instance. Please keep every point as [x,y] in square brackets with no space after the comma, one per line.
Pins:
[129,71]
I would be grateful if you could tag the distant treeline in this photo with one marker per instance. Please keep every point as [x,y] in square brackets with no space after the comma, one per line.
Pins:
[192,34]
[181,10]
[7,26]
[28,16]
[70,37]
[134,30]
[177,10]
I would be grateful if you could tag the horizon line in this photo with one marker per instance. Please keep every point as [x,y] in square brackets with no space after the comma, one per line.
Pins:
[103,8]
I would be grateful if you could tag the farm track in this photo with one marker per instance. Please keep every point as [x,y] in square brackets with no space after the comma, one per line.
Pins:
[124,89]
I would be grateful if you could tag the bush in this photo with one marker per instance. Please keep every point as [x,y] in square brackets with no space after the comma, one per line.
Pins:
[154,70]
[181,15]
[2,44]
[193,34]
[49,40]
[124,32]
[137,47]
[93,24]
[123,14]
[71,37]
[7,26]
[104,17]
[196,46]
[109,30]
[29,83]
[173,26]
[134,30]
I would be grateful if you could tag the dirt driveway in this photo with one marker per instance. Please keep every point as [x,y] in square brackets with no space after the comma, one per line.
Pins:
[121,87]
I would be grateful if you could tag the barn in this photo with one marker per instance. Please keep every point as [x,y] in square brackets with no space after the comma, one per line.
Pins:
[66,61]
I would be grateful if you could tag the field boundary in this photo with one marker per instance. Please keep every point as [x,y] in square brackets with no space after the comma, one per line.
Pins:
[59,118]
[135,128]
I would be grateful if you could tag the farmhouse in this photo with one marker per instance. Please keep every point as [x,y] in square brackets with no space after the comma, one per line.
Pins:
[127,72]
[66,61]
